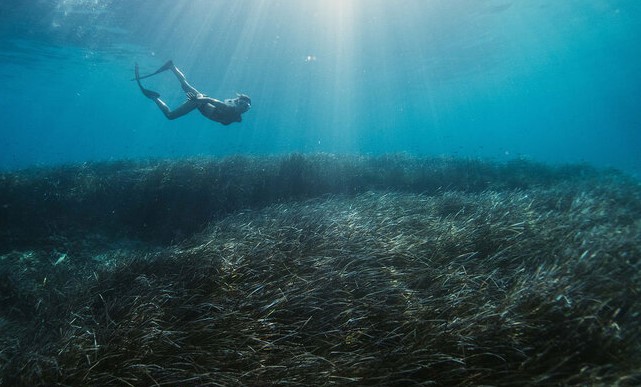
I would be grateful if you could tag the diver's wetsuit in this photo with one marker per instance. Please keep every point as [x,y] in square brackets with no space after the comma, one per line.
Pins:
[225,112]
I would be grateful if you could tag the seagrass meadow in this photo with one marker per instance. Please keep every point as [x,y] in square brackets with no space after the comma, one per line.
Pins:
[320,270]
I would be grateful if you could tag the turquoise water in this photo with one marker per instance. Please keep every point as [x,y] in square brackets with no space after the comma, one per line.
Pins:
[550,81]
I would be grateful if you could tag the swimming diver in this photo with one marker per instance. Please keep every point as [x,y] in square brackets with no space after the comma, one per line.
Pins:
[225,112]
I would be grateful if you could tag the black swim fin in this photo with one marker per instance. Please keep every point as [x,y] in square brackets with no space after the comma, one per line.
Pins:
[164,67]
[148,93]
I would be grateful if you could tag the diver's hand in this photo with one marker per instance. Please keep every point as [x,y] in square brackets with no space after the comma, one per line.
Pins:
[195,96]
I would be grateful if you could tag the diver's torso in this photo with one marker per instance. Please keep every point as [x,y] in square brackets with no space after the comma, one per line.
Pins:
[225,115]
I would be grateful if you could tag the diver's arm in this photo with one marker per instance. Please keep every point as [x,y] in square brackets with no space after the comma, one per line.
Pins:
[203,99]
[214,101]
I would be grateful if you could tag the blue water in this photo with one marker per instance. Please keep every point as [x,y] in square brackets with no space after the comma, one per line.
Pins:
[547,80]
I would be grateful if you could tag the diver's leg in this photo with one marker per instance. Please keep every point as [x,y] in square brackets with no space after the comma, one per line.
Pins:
[180,110]
[187,88]
[183,109]
[171,66]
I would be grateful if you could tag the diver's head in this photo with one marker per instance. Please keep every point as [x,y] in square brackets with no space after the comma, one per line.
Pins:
[242,102]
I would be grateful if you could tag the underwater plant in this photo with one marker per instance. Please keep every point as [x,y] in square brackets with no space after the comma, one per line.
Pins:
[320,270]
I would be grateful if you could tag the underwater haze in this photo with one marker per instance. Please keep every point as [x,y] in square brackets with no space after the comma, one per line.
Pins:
[549,81]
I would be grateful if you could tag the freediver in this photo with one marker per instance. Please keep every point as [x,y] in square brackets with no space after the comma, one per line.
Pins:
[225,112]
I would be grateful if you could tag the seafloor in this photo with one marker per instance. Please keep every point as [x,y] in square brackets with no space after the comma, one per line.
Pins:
[320,270]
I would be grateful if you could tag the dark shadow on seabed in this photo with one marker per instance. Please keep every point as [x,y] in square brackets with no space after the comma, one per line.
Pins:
[319,269]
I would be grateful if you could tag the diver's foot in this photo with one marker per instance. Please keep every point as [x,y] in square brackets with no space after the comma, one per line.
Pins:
[149,93]
[165,67]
